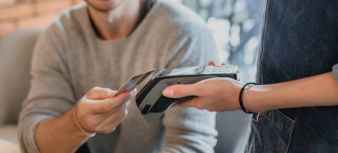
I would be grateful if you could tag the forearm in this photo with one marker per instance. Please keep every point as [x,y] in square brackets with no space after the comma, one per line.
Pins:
[59,135]
[319,90]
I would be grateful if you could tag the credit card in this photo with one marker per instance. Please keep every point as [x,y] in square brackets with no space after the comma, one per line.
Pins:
[134,81]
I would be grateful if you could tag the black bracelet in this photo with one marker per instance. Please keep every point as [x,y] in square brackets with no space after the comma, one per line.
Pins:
[241,103]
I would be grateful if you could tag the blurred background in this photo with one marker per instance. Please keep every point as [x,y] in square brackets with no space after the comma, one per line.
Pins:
[236,25]
[26,14]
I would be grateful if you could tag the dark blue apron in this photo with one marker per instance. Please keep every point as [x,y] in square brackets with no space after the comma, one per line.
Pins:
[300,39]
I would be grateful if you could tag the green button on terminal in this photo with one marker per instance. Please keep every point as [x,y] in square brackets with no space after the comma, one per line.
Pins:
[230,66]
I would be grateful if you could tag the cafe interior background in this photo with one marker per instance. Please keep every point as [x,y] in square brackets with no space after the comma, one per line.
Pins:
[236,25]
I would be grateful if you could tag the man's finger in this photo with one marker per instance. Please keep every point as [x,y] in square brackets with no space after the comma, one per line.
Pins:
[98,93]
[109,105]
[178,91]
[118,108]
[111,122]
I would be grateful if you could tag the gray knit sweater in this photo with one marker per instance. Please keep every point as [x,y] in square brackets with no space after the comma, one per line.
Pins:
[70,59]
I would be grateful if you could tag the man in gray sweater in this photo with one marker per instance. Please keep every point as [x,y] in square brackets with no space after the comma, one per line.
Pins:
[102,43]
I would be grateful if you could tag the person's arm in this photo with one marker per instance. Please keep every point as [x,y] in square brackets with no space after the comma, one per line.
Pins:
[51,120]
[320,90]
[97,112]
[222,94]
[190,130]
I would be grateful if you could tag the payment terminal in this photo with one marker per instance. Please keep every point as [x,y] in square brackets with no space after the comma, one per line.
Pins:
[149,98]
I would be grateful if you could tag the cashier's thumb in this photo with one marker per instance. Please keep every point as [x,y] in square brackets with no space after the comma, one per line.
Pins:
[177,91]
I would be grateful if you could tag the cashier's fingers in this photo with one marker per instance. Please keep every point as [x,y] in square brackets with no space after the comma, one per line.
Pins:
[204,104]
[182,90]
[197,102]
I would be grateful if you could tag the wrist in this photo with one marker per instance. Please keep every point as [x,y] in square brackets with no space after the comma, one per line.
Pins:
[68,120]
[61,130]
[80,126]
[243,91]
[257,99]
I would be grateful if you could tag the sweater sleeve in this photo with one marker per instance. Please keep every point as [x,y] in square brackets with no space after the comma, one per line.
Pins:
[190,130]
[335,71]
[50,93]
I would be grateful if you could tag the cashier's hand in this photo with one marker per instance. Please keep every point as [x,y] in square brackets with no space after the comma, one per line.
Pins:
[216,94]
[99,111]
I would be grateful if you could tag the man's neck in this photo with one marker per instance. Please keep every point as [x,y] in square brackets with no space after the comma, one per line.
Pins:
[118,23]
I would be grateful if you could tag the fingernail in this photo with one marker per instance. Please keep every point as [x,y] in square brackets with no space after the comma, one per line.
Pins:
[168,92]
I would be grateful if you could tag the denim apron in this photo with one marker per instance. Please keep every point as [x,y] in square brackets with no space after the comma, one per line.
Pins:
[300,39]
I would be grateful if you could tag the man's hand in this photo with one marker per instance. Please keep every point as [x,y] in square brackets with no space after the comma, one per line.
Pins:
[100,111]
[216,94]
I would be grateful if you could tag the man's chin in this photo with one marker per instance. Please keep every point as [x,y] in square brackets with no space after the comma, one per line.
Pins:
[103,5]
[102,8]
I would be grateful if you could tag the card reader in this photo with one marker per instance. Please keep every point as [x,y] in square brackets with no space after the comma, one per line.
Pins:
[152,103]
